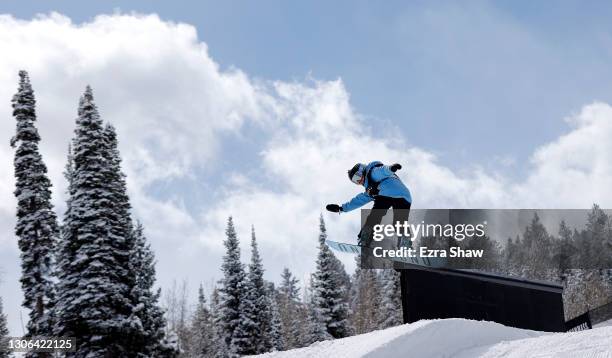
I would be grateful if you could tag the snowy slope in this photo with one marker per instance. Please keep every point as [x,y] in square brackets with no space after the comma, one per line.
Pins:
[460,338]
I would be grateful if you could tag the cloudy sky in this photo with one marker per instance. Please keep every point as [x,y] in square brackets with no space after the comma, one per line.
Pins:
[259,111]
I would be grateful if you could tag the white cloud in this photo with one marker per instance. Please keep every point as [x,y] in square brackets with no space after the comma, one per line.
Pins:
[575,170]
[174,108]
[151,78]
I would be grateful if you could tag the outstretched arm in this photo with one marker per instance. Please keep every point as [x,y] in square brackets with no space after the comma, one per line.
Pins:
[358,201]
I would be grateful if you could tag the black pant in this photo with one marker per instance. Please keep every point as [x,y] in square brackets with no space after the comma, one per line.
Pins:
[401,211]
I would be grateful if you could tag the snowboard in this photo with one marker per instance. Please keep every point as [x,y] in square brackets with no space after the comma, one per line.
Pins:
[416,260]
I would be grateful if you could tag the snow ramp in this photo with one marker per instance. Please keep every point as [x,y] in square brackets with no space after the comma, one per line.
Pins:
[460,338]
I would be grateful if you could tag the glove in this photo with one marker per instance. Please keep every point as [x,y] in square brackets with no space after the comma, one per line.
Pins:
[395,167]
[334,208]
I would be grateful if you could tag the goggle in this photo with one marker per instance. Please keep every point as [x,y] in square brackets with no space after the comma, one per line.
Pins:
[357,177]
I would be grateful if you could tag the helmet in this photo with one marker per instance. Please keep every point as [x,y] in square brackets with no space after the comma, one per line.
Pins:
[356,173]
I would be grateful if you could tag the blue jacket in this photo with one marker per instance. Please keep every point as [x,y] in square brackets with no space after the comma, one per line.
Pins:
[389,185]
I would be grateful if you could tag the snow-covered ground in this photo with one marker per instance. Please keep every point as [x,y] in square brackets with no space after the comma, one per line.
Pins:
[460,338]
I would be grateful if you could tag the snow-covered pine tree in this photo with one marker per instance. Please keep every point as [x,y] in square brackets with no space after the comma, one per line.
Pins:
[315,330]
[598,228]
[273,332]
[598,232]
[94,302]
[218,343]
[36,227]
[148,337]
[141,259]
[249,337]
[201,326]
[329,290]
[289,289]
[4,351]
[122,226]
[365,299]
[231,290]
[146,298]
[538,245]
[564,251]
[390,301]
[565,236]
[170,347]
[290,308]
[343,279]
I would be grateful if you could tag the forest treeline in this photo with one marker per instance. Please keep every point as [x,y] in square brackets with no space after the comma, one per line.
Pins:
[247,314]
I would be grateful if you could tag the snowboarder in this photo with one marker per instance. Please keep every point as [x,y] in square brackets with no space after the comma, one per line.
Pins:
[382,186]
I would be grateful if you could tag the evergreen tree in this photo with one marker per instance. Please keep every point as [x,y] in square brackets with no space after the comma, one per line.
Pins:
[514,257]
[170,347]
[36,227]
[342,278]
[121,225]
[218,343]
[95,302]
[147,316]
[597,235]
[564,249]
[390,301]
[250,337]
[365,297]
[290,308]
[202,327]
[329,290]
[316,330]
[231,292]
[273,331]
[145,298]
[537,248]
[491,260]
[4,351]
[289,287]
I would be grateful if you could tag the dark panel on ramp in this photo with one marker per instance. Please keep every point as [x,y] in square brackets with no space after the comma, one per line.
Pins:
[440,293]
